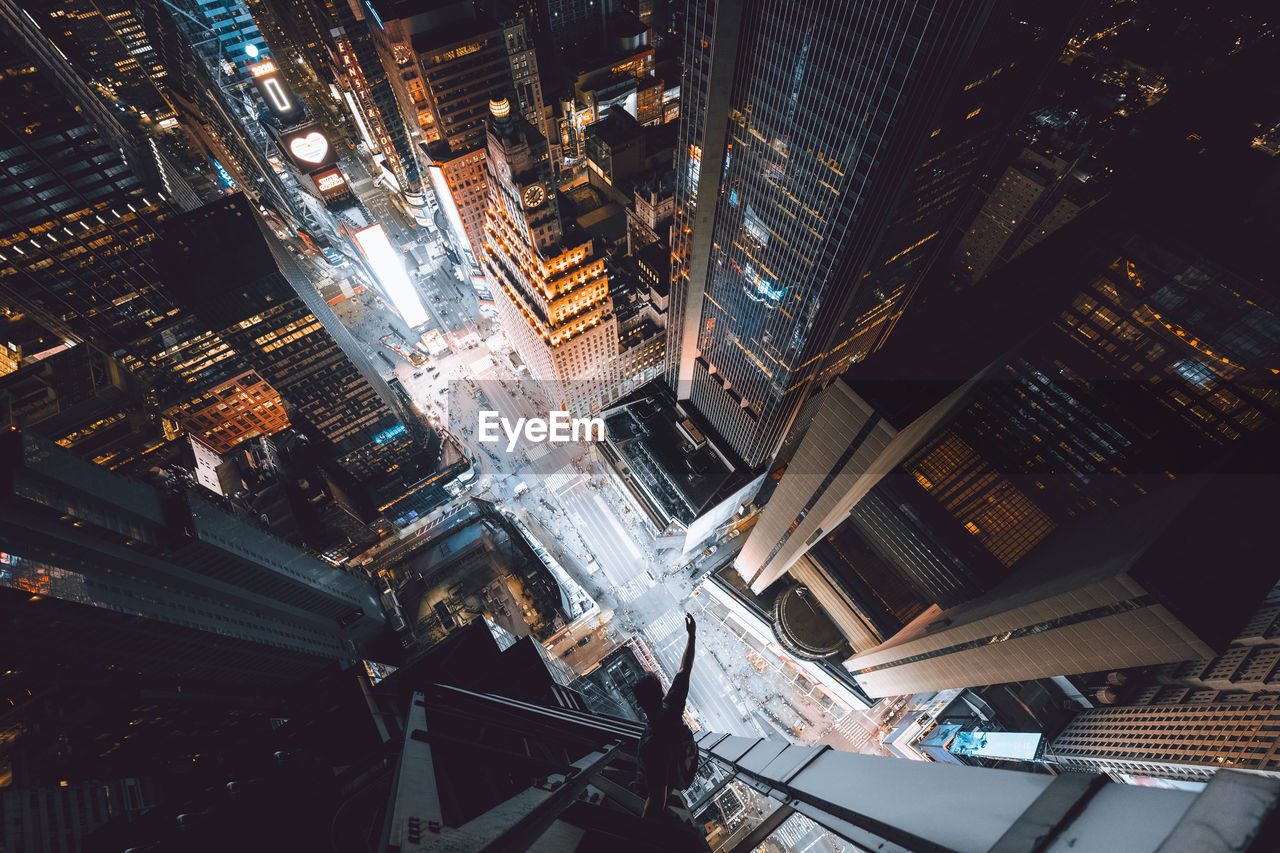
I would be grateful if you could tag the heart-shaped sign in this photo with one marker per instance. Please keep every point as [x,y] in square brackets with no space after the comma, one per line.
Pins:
[312,148]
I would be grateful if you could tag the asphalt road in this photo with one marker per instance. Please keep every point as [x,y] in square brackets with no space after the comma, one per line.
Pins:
[571,501]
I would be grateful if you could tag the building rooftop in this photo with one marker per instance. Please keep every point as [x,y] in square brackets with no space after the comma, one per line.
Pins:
[452,32]
[616,129]
[685,478]
[661,184]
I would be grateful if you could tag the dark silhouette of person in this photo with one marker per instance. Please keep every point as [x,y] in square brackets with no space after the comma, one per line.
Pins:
[667,755]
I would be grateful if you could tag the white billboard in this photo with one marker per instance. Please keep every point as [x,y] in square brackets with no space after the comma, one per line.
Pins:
[444,196]
[388,267]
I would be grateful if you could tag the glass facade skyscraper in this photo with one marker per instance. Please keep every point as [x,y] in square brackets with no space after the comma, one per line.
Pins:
[1142,365]
[77,218]
[281,326]
[823,148]
[100,573]
[83,206]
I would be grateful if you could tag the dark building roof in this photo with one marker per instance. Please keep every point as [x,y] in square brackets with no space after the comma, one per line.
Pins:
[689,480]
[617,129]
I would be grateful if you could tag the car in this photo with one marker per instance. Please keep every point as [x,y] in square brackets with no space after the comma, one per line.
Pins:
[568,652]
[244,787]
[287,756]
[710,551]
[584,640]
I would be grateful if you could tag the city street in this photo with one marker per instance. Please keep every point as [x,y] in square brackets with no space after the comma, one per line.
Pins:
[569,500]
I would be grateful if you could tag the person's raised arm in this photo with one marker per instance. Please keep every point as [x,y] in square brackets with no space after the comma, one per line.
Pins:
[686,663]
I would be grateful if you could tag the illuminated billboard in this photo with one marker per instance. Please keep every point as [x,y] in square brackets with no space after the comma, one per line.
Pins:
[223,175]
[263,68]
[390,434]
[330,183]
[388,268]
[308,148]
[276,94]
[444,197]
[1014,746]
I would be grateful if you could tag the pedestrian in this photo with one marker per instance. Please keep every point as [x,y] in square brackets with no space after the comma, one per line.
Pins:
[668,755]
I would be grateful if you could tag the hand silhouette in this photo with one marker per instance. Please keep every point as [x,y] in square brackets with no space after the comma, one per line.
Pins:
[690,625]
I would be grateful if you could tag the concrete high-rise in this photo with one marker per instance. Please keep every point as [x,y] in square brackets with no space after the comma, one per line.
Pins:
[551,285]
[1187,720]
[1188,742]
[102,572]
[935,475]
[462,779]
[1112,590]
[973,435]
[1038,193]
[453,61]
[824,151]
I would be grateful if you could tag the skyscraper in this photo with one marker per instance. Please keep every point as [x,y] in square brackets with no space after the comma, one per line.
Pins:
[83,400]
[1186,720]
[551,287]
[1144,350]
[1112,590]
[72,176]
[485,726]
[823,152]
[1188,742]
[453,61]
[228,33]
[1038,193]
[107,38]
[551,283]
[100,572]
[372,99]
[523,56]
[281,326]
[84,205]
[576,25]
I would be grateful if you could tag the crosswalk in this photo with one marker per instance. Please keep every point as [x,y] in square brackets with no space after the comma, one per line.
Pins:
[665,625]
[795,831]
[634,588]
[560,481]
[856,730]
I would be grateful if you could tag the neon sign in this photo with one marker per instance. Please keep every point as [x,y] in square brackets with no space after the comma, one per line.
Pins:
[456,52]
[223,175]
[276,95]
[275,91]
[389,434]
[311,148]
[329,181]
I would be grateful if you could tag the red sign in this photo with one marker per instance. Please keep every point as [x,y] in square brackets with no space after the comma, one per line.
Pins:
[330,183]
[311,244]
